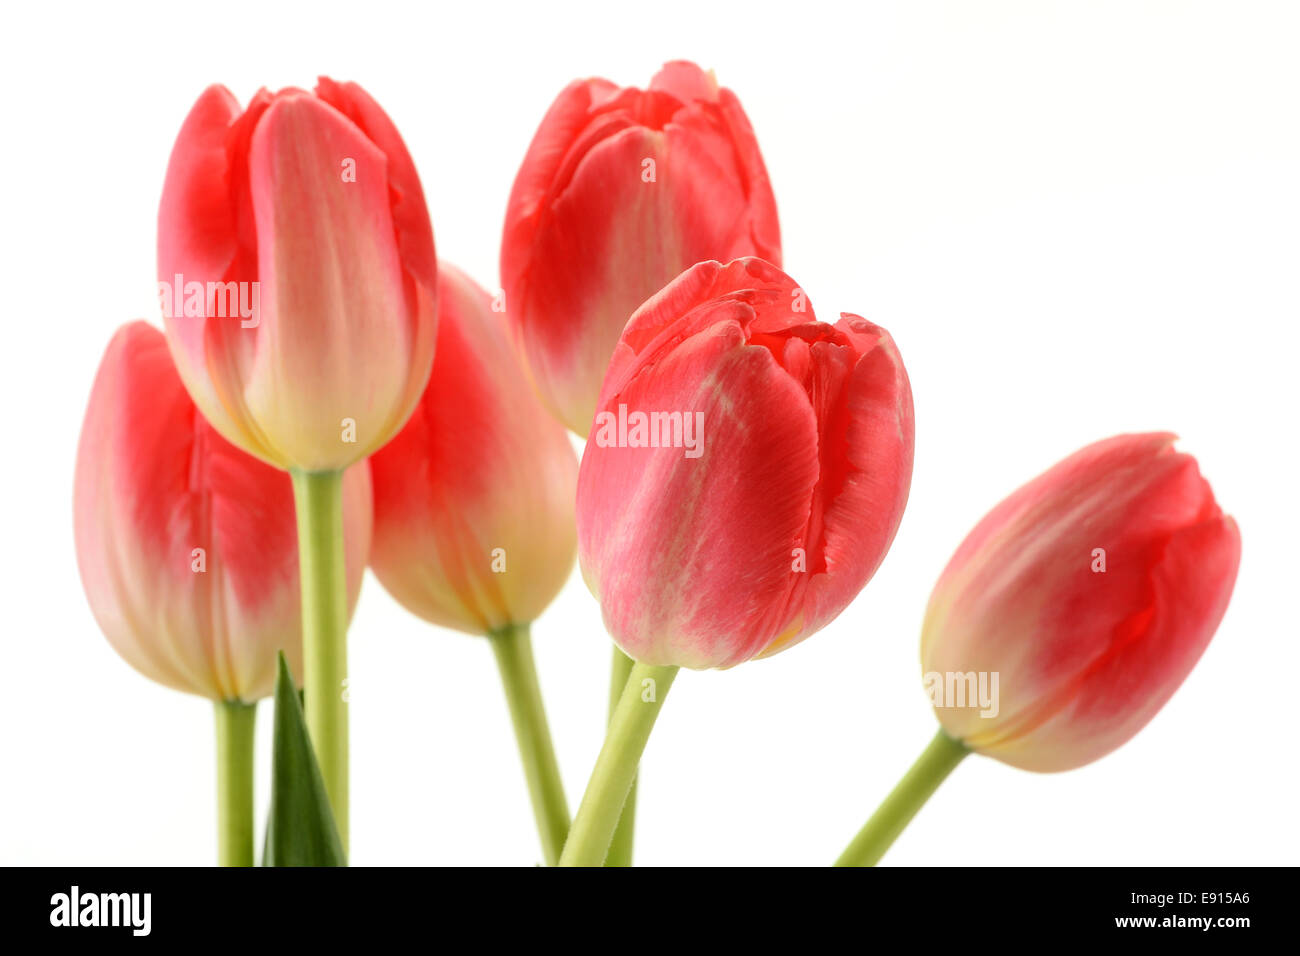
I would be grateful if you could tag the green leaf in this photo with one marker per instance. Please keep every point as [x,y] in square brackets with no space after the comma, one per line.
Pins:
[300,830]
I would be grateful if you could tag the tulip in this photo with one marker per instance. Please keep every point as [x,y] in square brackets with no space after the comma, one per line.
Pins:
[297,273]
[1068,616]
[621,190]
[474,497]
[755,523]
[188,551]
[297,279]
[474,516]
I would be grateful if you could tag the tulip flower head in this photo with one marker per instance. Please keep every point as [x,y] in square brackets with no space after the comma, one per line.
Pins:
[747,469]
[187,546]
[621,190]
[1090,593]
[474,498]
[297,273]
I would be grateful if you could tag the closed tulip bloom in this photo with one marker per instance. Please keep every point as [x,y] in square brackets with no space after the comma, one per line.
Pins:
[474,497]
[1091,592]
[746,472]
[187,546]
[297,273]
[621,190]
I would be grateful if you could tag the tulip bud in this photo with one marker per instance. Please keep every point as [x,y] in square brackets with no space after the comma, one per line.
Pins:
[474,497]
[187,546]
[297,273]
[620,191]
[746,471]
[1087,596]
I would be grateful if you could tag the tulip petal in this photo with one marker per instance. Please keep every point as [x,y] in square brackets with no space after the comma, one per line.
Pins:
[560,127]
[689,84]
[685,81]
[693,557]
[410,213]
[334,343]
[125,437]
[865,451]
[199,237]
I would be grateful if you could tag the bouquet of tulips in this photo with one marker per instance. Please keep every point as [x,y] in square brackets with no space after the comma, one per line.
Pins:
[328,394]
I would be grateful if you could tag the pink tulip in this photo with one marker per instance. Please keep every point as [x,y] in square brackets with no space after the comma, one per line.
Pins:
[474,498]
[187,546]
[778,465]
[297,273]
[1090,593]
[619,192]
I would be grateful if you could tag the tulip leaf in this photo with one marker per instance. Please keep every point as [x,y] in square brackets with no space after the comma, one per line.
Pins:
[300,830]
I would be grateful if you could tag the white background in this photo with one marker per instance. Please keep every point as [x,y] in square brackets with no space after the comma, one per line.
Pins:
[1076,220]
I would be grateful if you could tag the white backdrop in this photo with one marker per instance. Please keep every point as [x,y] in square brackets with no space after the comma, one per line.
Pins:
[1075,219]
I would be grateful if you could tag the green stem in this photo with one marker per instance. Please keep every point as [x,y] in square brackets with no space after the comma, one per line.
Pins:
[629,729]
[235,721]
[620,848]
[318,497]
[514,652]
[903,802]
